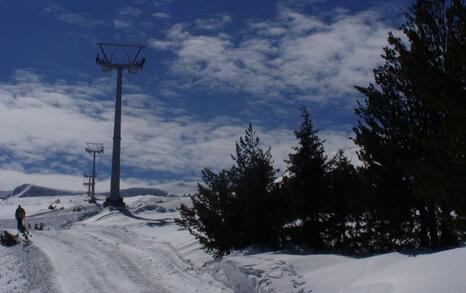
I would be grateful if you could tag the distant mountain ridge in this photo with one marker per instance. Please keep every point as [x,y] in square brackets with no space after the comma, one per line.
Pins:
[31,190]
[5,193]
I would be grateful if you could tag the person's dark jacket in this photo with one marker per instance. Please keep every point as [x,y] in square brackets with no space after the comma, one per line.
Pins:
[20,213]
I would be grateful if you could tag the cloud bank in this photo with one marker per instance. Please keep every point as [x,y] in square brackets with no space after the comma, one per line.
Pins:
[46,124]
[293,56]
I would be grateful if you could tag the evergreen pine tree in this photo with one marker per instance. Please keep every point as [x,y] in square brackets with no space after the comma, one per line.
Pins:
[404,120]
[346,205]
[306,185]
[252,178]
[437,33]
[237,207]
[211,218]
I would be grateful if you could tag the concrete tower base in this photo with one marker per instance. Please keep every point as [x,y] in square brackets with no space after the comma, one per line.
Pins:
[118,203]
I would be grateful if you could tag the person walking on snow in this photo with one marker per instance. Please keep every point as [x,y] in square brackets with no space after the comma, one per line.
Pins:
[19,215]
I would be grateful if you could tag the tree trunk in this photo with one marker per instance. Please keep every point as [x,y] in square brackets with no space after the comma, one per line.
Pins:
[433,231]
[423,237]
[447,238]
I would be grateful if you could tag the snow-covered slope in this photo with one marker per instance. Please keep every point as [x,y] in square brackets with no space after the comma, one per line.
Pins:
[389,273]
[86,248]
[128,192]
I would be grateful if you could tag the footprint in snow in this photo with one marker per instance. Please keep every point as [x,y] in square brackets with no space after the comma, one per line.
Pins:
[276,275]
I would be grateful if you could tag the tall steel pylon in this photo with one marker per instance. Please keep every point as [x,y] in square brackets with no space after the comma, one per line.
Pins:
[93,148]
[133,64]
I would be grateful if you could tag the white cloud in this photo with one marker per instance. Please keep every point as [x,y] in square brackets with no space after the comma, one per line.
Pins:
[130,11]
[78,19]
[294,56]
[161,15]
[122,24]
[130,21]
[9,179]
[340,140]
[213,23]
[40,120]
[45,126]
[160,45]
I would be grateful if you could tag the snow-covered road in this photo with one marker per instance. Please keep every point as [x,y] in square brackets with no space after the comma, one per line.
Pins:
[96,250]
[91,258]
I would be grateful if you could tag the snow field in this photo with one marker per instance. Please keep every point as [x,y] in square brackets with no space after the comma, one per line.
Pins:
[86,248]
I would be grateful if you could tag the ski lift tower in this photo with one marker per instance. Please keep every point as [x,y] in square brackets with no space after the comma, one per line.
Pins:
[88,183]
[93,148]
[119,57]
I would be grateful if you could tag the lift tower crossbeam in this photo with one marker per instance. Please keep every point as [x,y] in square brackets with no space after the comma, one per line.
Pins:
[133,65]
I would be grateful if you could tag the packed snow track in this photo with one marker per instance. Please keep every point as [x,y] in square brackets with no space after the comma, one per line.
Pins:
[89,249]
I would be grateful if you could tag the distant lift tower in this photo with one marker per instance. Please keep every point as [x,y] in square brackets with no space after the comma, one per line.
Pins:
[93,148]
[88,183]
[120,57]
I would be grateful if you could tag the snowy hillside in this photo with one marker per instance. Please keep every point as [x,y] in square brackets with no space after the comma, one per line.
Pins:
[139,191]
[30,190]
[86,248]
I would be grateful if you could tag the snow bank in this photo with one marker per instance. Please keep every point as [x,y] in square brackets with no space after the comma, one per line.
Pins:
[25,268]
[389,273]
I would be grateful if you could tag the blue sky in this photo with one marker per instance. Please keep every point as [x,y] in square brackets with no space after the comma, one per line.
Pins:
[212,67]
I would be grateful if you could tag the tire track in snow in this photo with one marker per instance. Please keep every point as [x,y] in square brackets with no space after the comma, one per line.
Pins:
[87,264]
[108,254]
[93,258]
[171,270]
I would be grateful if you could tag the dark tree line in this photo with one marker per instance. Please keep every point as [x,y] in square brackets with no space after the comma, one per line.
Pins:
[409,192]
